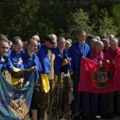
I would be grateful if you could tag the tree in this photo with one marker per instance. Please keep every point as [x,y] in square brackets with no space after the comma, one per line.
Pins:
[106,24]
[116,16]
[79,19]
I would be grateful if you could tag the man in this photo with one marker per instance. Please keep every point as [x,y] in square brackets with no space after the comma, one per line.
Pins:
[46,57]
[64,84]
[78,50]
[31,59]
[16,53]
[113,55]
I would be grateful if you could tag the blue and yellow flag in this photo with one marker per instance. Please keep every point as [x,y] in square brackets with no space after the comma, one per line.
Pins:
[15,103]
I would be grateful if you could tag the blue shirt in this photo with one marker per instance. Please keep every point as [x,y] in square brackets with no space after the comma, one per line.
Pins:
[44,59]
[59,57]
[29,62]
[77,51]
[15,59]
[7,65]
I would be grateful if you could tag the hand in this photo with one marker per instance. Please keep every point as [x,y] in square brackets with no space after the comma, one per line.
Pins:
[108,61]
[20,61]
[52,57]
[100,63]
[34,68]
[65,62]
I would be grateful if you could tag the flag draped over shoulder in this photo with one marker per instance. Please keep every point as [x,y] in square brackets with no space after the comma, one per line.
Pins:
[95,78]
[15,103]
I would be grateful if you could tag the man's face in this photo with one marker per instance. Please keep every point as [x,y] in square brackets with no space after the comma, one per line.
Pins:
[67,45]
[113,45]
[17,48]
[99,47]
[33,47]
[49,45]
[61,43]
[106,44]
[4,47]
[81,36]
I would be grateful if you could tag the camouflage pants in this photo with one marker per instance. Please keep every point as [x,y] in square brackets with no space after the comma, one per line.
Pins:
[63,95]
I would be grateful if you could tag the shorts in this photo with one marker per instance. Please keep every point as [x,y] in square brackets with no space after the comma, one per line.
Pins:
[35,103]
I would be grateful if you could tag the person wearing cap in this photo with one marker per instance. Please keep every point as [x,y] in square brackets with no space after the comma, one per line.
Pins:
[46,57]
[78,50]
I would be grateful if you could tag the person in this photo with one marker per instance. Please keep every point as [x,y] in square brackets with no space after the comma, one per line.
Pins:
[106,43]
[68,44]
[16,53]
[45,56]
[98,101]
[37,38]
[64,84]
[78,50]
[92,43]
[111,55]
[31,59]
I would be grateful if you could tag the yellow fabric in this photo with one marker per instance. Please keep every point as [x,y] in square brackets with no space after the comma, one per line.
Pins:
[56,78]
[45,83]
[15,80]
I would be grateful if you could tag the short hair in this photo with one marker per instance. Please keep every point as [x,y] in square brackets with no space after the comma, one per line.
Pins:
[115,40]
[60,38]
[80,31]
[16,40]
[3,38]
[36,37]
[31,40]
[99,43]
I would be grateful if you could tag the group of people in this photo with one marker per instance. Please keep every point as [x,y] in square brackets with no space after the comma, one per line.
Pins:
[58,61]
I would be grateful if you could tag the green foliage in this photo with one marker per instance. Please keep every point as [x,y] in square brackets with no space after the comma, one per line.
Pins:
[79,19]
[116,16]
[106,24]
[28,17]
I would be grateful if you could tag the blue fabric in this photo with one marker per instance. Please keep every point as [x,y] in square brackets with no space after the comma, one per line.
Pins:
[9,93]
[44,59]
[76,52]
[15,58]
[28,63]
[6,65]
[59,60]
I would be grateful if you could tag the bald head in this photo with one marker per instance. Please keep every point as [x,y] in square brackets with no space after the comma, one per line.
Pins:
[114,43]
[17,44]
[32,45]
[36,37]
[99,46]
